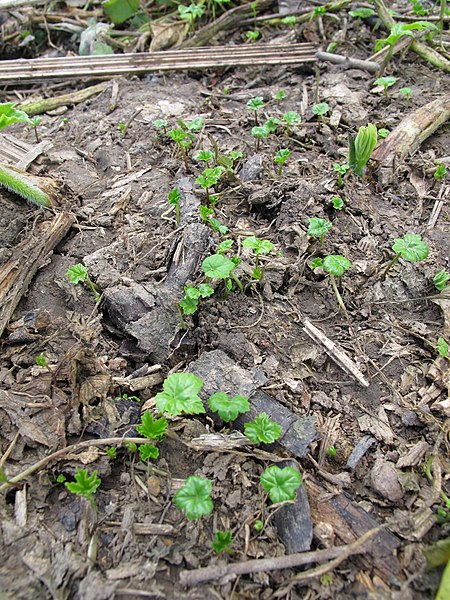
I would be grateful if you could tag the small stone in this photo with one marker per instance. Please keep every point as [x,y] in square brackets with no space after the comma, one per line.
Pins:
[384,480]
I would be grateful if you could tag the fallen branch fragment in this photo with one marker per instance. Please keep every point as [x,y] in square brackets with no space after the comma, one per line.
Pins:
[341,553]
[37,107]
[409,134]
[335,353]
[28,257]
[349,63]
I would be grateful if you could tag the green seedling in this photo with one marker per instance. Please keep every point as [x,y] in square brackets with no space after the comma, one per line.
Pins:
[218,266]
[252,35]
[148,452]
[79,274]
[36,121]
[111,453]
[362,13]
[259,247]
[407,92]
[331,452]
[195,124]
[161,124]
[228,408]
[281,157]
[222,542]
[131,447]
[410,247]
[194,498]
[192,295]
[361,148]
[190,13]
[399,30]
[183,139]
[281,484]
[337,202]
[318,227]
[419,9]
[255,104]
[174,197]
[127,398]
[386,82]
[440,173]
[383,133]
[41,361]
[153,429]
[335,265]
[289,20]
[291,118]
[204,156]
[262,430]
[61,478]
[442,348]
[280,95]
[341,170]
[236,154]
[10,115]
[180,395]
[225,246]
[209,178]
[259,132]
[258,525]
[319,11]
[441,280]
[85,485]
[320,110]
[122,127]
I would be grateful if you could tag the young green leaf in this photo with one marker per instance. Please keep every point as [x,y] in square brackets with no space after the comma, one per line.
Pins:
[320,109]
[255,103]
[442,348]
[41,361]
[318,227]
[281,484]
[194,498]
[153,429]
[440,173]
[361,13]
[147,452]
[411,247]
[84,485]
[386,82]
[228,408]
[316,263]
[262,429]
[160,123]
[361,147]
[217,266]
[222,541]
[10,115]
[257,245]
[280,95]
[336,265]
[119,11]
[189,306]
[194,124]
[205,290]
[218,226]
[174,196]
[337,202]
[180,395]
[441,280]
[77,274]
[291,118]
[204,156]
[111,452]
[236,154]
[260,132]
[225,246]
[383,133]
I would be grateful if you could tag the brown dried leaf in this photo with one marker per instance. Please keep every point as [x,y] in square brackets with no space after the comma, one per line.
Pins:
[166,35]
[96,386]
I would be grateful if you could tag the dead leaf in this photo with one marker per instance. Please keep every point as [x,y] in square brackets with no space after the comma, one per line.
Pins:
[96,386]
[166,35]
[379,427]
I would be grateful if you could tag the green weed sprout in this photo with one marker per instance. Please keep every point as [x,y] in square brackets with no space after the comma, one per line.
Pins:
[440,173]
[79,274]
[224,246]
[280,95]
[289,20]
[331,452]
[262,430]
[207,215]
[281,157]
[341,170]
[222,541]
[318,227]
[209,177]
[10,115]
[194,124]
[361,147]
[259,132]
[441,280]
[361,13]
[85,485]
[111,453]
[161,124]
[281,484]
[320,110]
[153,429]
[255,104]
[183,139]
[442,348]
[190,13]
[41,361]
[36,121]
[218,266]
[180,395]
[383,133]
[122,127]
[228,408]
[148,452]
[398,30]
[258,525]
[335,265]
[192,295]
[194,498]
[290,119]
[204,156]
[407,92]
[386,82]
[259,247]
[410,247]
[337,202]
[127,398]
[252,35]
[174,200]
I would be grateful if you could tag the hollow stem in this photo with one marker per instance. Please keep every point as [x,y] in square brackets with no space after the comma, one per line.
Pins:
[390,265]
[337,294]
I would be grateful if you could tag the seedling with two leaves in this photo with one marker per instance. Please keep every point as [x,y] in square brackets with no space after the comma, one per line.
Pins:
[85,486]
[386,83]
[410,247]
[335,265]
[192,296]
[318,227]
[258,247]
[209,178]
[441,280]
[218,266]
[79,274]
[320,110]
[281,157]
[255,104]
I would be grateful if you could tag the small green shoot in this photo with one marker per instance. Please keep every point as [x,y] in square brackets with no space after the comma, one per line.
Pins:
[190,13]
[41,361]
[209,178]
[153,429]
[259,247]
[281,157]
[10,115]
[291,118]
[361,147]
[225,246]
[262,430]
[281,484]
[280,95]
[361,13]
[259,133]
[174,200]
[410,247]
[222,541]
[119,11]
[194,124]
[218,266]
[228,408]
[122,127]
[290,20]
[131,447]
[180,395]
[398,30]
[192,295]
[194,498]
[441,280]
[258,525]
[318,227]
[337,202]
[341,170]
[204,156]
[442,348]
[85,485]
[61,478]
[183,139]
[253,35]
[255,104]
[111,453]
[320,110]
[127,398]
[335,265]
[440,173]
[383,133]
[160,124]
[386,82]
[79,274]
[331,452]
[407,92]
[148,452]
[36,121]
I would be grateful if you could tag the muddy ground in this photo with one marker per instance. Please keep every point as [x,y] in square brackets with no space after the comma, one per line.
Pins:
[116,184]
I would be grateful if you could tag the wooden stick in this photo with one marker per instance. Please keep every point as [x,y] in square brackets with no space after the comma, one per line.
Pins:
[37,107]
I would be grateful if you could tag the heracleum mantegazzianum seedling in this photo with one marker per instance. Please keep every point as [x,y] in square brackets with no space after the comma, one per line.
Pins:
[281,157]
[192,295]
[262,430]
[194,498]
[318,227]
[281,484]
[290,119]
[208,178]
[441,280]
[218,266]
[335,265]
[255,104]
[320,110]
[410,247]
[259,132]
[259,247]
[85,486]
[180,395]
[341,170]
[361,147]
[228,408]
[153,429]
[184,140]
[79,274]
[386,83]
[174,198]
